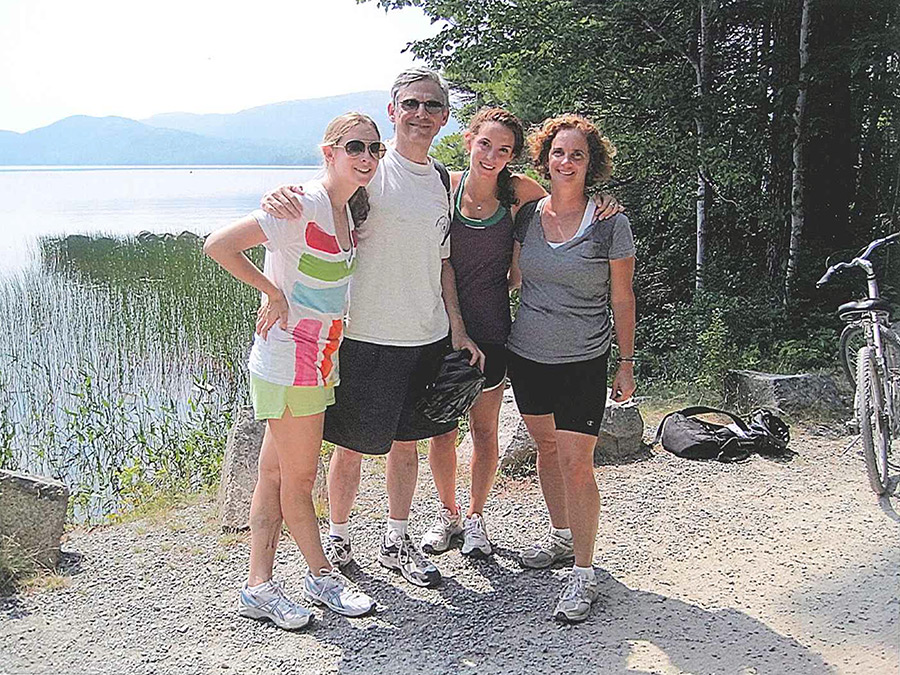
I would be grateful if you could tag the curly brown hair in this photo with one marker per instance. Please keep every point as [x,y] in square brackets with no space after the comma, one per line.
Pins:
[600,148]
[506,192]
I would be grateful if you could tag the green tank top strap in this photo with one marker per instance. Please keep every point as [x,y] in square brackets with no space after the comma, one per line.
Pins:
[474,222]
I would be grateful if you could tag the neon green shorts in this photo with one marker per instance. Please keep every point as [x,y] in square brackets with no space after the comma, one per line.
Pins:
[270,400]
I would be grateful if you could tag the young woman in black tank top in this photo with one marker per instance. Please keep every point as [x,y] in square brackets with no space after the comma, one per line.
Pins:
[487,197]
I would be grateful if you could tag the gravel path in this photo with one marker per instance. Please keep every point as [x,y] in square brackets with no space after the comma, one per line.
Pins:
[743,569]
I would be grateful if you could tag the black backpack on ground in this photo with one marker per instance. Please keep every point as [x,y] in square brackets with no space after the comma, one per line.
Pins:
[685,435]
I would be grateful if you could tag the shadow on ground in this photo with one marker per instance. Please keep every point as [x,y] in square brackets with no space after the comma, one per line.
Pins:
[508,630]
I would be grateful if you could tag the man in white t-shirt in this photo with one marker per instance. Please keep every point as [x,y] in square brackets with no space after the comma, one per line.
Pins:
[402,319]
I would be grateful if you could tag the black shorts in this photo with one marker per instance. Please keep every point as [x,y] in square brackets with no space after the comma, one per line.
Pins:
[495,360]
[574,393]
[375,401]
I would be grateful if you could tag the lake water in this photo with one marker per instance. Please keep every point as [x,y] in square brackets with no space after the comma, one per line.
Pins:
[122,358]
[119,201]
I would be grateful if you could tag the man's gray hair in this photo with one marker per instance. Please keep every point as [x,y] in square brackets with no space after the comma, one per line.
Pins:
[417,74]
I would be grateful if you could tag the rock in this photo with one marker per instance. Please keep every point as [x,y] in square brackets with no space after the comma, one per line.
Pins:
[32,514]
[621,435]
[240,470]
[187,236]
[792,394]
[620,438]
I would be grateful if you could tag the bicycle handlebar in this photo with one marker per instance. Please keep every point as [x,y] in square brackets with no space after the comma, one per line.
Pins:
[861,259]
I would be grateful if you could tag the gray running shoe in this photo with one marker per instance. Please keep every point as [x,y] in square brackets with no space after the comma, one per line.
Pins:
[404,556]
[268,601]
[334,591]
[551,549]
[444,527]
[476,543]
[338,551]
[575,600]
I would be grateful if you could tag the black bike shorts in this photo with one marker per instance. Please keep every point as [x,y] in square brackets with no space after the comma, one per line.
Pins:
[574,393]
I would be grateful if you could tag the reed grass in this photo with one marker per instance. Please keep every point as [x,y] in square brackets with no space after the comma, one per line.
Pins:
[120,367]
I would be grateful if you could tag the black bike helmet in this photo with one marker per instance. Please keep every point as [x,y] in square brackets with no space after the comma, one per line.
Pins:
[454,389]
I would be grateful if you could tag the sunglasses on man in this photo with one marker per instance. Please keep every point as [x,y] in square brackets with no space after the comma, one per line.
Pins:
[431,106]
[355,148]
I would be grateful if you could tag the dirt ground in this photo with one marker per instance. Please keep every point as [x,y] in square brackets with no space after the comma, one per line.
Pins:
[707,568]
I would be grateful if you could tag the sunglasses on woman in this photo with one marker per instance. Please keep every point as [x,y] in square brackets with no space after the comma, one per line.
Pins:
[431,106]
[355,148]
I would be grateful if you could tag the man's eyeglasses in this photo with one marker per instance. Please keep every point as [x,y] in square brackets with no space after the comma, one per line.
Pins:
[356,148]
[431,107]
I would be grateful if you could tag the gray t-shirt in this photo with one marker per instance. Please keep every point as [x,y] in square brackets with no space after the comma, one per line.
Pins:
[563,316]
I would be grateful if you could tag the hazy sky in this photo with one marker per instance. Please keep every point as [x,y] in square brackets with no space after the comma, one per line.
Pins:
[135,58]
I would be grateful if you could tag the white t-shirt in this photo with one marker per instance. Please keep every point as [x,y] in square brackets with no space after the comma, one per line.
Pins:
[395,296]
[304,260]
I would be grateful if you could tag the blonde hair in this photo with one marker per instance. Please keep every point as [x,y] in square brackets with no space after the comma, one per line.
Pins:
[334,132]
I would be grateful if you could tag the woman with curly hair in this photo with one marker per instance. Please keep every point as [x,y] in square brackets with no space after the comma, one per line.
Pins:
[488,197]
[576,265]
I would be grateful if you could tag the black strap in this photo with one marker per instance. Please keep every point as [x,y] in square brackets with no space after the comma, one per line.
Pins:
[445,179]
[700,410]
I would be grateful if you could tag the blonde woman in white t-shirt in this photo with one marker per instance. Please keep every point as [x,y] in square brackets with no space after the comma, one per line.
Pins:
[293,363]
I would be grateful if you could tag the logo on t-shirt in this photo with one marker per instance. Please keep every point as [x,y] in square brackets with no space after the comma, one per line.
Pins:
[443,226]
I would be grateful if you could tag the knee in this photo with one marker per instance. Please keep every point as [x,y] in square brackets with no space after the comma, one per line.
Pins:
[443,444]
[577,471]
[345,460]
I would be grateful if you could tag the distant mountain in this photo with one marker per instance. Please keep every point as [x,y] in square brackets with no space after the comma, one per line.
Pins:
[278,133]
[82,140]
[297,122]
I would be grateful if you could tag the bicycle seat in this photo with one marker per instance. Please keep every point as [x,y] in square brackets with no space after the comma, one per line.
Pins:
[868,305]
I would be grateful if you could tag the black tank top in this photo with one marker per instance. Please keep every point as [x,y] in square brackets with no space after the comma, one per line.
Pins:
[481,251]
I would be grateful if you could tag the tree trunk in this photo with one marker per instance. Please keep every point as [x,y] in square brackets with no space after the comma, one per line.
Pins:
[704,76]
[797,176]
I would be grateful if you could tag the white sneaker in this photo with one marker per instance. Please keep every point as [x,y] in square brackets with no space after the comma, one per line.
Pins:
[551,549]
[445,526]
[337,550]
[268,601]
[337,593]
[576,598]
[476,543]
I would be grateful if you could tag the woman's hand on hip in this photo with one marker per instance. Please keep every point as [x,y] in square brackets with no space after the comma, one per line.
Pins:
[274,308]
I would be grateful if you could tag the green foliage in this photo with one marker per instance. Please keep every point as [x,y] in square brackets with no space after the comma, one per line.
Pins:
[451,152]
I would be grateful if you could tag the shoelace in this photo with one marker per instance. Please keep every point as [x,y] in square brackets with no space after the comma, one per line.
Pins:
[475,528]
[574,587]
[411,552]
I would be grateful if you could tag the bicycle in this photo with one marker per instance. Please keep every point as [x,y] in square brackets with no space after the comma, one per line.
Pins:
[870,357]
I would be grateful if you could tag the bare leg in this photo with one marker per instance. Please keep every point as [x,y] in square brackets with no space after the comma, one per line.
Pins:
[442,458]
[343,483]
[402,472]
[576,460]
[298,441]
[485,448]
[543,430]
[265,514]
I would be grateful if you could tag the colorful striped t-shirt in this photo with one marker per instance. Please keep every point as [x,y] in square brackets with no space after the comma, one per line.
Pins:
[305,260]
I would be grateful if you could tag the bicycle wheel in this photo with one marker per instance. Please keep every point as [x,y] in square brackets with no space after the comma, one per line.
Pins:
[870,408]
[891,344]
[852,339]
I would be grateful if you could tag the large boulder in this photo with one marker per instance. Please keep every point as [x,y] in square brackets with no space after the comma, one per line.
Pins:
[32,515]
[792,394]
[240,470]
[620,437]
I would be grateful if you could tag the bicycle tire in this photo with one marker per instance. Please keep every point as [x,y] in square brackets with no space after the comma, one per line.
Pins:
[891,342]
[872,420]
[852,339]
